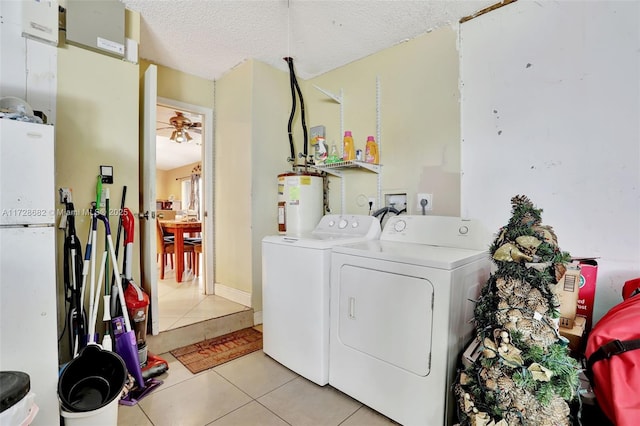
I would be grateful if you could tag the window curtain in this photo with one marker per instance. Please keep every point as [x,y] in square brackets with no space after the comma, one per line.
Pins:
[194,198]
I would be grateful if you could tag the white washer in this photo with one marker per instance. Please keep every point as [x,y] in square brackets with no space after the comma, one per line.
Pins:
[295,292]
[400,315]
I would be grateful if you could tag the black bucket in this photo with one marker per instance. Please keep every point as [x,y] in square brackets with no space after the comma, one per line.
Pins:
[91,380]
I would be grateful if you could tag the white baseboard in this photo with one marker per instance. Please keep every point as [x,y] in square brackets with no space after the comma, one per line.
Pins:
[233,294]
[257,317]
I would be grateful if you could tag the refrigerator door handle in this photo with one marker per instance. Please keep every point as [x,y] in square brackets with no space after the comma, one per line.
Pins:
[26,225]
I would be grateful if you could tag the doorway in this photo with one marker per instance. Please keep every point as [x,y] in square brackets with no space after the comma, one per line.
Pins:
[184,191]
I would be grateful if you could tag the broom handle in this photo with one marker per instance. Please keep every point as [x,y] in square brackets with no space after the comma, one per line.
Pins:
[116,273]
[124,195]
[95,302]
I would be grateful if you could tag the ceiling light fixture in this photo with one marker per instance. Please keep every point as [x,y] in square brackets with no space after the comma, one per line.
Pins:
[180,136]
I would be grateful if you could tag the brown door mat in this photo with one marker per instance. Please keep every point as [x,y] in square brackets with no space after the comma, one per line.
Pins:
[213,352]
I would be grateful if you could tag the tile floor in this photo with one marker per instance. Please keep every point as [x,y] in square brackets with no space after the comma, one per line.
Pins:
[182,304]
[251,390]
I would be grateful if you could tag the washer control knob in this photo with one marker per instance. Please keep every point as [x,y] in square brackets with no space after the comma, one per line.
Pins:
[355,224]
[463,229]
[342,224]
[332,222]
[400,226]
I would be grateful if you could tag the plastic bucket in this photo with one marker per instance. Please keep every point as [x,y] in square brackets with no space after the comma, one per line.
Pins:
[91,381]
[17,406]
[105,416]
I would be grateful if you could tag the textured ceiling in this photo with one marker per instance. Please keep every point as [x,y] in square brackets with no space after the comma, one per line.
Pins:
[207,38]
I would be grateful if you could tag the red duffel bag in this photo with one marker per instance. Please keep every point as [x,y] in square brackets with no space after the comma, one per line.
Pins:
[613,359]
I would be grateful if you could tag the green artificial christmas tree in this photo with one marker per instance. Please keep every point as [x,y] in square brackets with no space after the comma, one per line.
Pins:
[523,374]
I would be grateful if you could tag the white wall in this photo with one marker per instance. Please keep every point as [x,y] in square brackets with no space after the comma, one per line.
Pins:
[550,107]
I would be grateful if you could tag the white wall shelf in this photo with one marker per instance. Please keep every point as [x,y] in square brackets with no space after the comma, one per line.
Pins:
[336,169]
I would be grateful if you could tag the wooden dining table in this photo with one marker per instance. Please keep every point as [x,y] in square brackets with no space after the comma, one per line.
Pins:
[179,228]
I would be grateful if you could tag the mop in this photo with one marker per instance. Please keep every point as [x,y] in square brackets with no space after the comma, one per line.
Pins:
[137,302]
[92,283]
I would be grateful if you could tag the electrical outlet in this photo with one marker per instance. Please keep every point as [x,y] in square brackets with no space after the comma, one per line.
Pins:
[103,196]
[423,196]
[65,195]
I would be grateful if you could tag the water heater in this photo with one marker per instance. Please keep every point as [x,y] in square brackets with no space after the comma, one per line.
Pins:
[300,202]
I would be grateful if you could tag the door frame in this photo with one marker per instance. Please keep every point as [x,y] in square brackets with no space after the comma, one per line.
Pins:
[207,284]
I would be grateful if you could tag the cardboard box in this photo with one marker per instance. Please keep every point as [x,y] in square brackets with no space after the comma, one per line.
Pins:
[567,290]
[587,293]
[575,334]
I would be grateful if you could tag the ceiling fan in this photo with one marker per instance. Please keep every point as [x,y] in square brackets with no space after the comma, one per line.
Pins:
[179,123]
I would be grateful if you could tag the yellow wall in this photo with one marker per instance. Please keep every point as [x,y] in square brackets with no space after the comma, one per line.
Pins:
[97,124]
[252,109]
[183,87]
[271,108]
[420,120]
[166,183]
[420,144]
[234,156]
[162,185]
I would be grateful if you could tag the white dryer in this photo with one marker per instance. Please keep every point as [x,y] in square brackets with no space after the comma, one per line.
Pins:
[400,315]
[295,292]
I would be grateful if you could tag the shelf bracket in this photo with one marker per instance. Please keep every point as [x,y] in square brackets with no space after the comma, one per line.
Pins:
[336,98]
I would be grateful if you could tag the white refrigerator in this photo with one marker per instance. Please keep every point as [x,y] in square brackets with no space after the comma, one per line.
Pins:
[28,317]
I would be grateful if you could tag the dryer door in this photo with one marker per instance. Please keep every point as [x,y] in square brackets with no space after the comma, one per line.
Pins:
[388,316]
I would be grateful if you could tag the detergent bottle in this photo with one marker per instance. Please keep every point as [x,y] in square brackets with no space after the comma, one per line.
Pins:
[348,150]
[371,154]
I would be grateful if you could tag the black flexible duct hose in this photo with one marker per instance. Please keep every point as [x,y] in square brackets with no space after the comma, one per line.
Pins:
[296,86]
[302,116]
[293,108]
[383,211]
